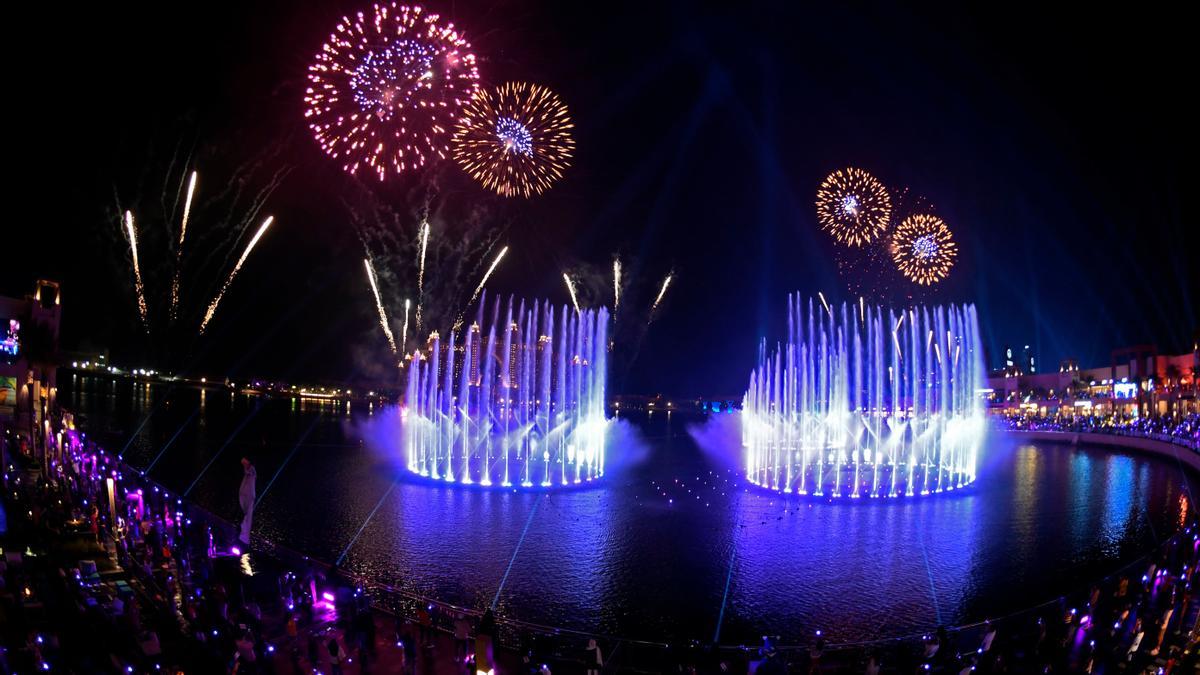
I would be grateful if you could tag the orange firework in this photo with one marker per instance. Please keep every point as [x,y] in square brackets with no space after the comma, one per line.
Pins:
[853,206]
[923,249]
[515,140]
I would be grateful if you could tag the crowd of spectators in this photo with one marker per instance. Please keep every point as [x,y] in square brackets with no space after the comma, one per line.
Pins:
[1143,620]
[145,583]
[1183,430]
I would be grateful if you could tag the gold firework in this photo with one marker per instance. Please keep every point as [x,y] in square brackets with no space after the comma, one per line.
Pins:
[515,140]
[853,206]
[923,249]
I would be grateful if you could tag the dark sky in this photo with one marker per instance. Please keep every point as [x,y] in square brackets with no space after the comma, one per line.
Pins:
[1058,145]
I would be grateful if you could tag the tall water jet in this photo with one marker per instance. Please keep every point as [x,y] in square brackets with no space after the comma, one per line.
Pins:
[867,402]
[517,399]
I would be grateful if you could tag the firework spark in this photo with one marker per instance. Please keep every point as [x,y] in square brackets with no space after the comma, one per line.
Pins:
[212,307]
[187,207]
[923,249]
[387,86]
[137,268]
[421,261]
[571,289]
[183,223]
[421,270]
[404,329]
[853,206]
[661,292]
[616,283]
[515,140]
[383,320]
[487,275]
[826,304]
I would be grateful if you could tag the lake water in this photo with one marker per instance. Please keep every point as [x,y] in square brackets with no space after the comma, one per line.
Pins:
[671,542]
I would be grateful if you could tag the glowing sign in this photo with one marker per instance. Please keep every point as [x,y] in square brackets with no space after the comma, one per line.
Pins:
[1124,389]
[10,343]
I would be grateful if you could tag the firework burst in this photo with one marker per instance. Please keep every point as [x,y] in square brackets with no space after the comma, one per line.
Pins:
[386,88]
[515,140]
[923,249]
[853,206]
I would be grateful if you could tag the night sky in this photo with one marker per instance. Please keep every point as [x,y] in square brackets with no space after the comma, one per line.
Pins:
[1058,146]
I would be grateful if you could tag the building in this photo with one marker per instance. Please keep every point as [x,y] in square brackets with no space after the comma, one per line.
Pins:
[29,331]
[1138,381]
[476,344]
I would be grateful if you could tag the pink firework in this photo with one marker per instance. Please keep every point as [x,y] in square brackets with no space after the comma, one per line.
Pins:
[387,87]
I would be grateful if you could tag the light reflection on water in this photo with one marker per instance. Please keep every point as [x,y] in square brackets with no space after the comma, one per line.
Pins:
[624,559]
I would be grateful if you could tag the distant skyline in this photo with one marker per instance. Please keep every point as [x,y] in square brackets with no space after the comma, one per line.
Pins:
[1057,145]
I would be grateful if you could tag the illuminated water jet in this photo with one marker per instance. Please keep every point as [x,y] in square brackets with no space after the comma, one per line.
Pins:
[518,401]
[863,404]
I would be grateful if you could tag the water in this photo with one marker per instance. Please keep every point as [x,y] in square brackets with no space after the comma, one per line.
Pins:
[859,403]
[522,406]
[639,555]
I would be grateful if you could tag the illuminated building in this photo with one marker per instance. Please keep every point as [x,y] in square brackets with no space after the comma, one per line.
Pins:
[29,329]
[476,348]
[1138,381]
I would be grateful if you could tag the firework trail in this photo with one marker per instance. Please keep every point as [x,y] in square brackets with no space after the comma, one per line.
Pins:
[137,269]
[404,330]
[616,284]
[421,270]
[187,210]
[661,292]
[571,288]
[212,308]
[487,275]
[383,320]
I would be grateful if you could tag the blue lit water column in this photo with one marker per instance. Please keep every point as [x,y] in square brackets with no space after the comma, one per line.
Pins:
[515,399]
[867,402]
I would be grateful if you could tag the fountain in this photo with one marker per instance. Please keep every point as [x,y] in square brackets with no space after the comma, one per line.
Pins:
[519,401]
[866,402]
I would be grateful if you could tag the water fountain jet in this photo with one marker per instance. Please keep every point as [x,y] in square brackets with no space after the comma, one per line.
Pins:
[862,403]
[519,401]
